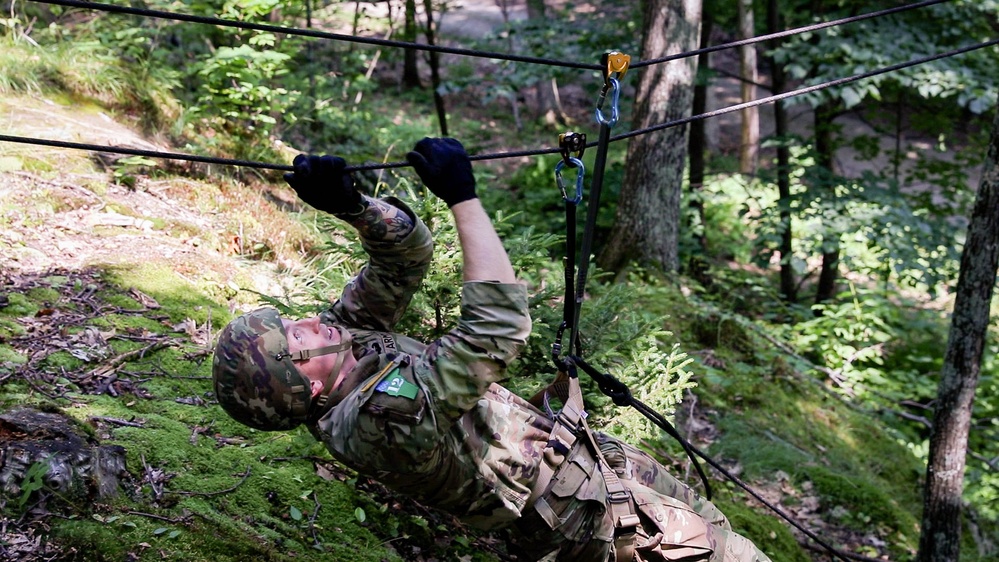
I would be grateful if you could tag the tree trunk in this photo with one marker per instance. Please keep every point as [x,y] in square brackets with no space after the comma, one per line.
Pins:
[410,70]
[648,216]
[788,288]
[940,540]
[824,154]
[435,77]
[548,107]
[749,145]
[698,138]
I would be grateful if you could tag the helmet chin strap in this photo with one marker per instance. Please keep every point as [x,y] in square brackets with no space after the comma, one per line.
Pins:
[338,348]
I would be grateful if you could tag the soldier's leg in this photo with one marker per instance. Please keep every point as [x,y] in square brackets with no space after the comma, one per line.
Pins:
[642,468]
[671,531]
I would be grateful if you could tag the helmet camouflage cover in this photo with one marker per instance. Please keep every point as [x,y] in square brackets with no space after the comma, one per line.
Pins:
[256,381]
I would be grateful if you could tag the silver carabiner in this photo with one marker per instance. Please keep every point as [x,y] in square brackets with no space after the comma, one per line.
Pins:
[580,174]
[615,88]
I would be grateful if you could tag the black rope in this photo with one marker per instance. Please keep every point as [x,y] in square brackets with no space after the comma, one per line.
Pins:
[785,33]
[621,395]
[147,153]
[209,20]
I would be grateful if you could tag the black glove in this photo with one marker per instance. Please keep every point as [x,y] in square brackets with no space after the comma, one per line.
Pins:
[321,182]
[444,167]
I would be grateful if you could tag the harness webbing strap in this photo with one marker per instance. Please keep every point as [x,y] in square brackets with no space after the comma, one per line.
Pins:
[621,504]
[570,425]
[592,209]
[346,341]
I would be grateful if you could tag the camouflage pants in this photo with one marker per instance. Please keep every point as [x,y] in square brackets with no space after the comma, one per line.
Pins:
[676,523]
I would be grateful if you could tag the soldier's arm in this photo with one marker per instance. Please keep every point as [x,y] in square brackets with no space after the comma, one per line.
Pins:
[494,323]
[483,255]
[380,222]
[399,248]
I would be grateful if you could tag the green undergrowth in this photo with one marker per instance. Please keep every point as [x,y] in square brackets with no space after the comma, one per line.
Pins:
[769,533]
[203,487]
[777,427]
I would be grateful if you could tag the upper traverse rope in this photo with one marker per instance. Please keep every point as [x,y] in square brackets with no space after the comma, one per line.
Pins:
[211,20]
[787,33]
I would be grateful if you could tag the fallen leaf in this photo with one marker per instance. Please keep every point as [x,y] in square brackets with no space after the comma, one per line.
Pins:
[144,299]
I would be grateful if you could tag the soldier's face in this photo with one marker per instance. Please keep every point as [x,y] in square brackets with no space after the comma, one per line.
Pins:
[309,333]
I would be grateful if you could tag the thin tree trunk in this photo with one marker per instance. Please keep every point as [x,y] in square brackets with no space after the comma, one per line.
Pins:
[788,287]
[648,215]
[435,77]
[546,98]
[698,138]
[410,70]
[940,540]
[824,153]
[750,139]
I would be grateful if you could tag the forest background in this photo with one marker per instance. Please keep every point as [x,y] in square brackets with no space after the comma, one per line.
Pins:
[118,271]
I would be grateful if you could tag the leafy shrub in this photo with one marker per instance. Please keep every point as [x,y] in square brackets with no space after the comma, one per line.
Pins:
[239,93]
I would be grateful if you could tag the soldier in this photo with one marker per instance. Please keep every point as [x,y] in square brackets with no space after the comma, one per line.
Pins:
[430,421]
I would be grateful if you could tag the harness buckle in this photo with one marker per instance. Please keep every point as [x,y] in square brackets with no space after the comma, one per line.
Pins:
[619,496]
[627,523]
[567,422]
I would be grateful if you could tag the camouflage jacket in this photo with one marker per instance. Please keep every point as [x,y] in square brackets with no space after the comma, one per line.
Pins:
[429,421]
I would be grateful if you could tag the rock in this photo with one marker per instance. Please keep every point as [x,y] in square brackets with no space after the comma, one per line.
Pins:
[72,464]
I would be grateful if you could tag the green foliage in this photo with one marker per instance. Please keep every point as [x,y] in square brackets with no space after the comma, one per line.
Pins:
[970,79]
[239,88]
[563,34]
[658,380]
[126,170]
[775,538]
[34,480]
[245,89]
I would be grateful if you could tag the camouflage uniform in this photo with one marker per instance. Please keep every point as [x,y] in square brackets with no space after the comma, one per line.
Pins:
[431,422]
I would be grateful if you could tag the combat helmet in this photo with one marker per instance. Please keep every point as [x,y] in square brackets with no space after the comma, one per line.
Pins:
[256,380]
